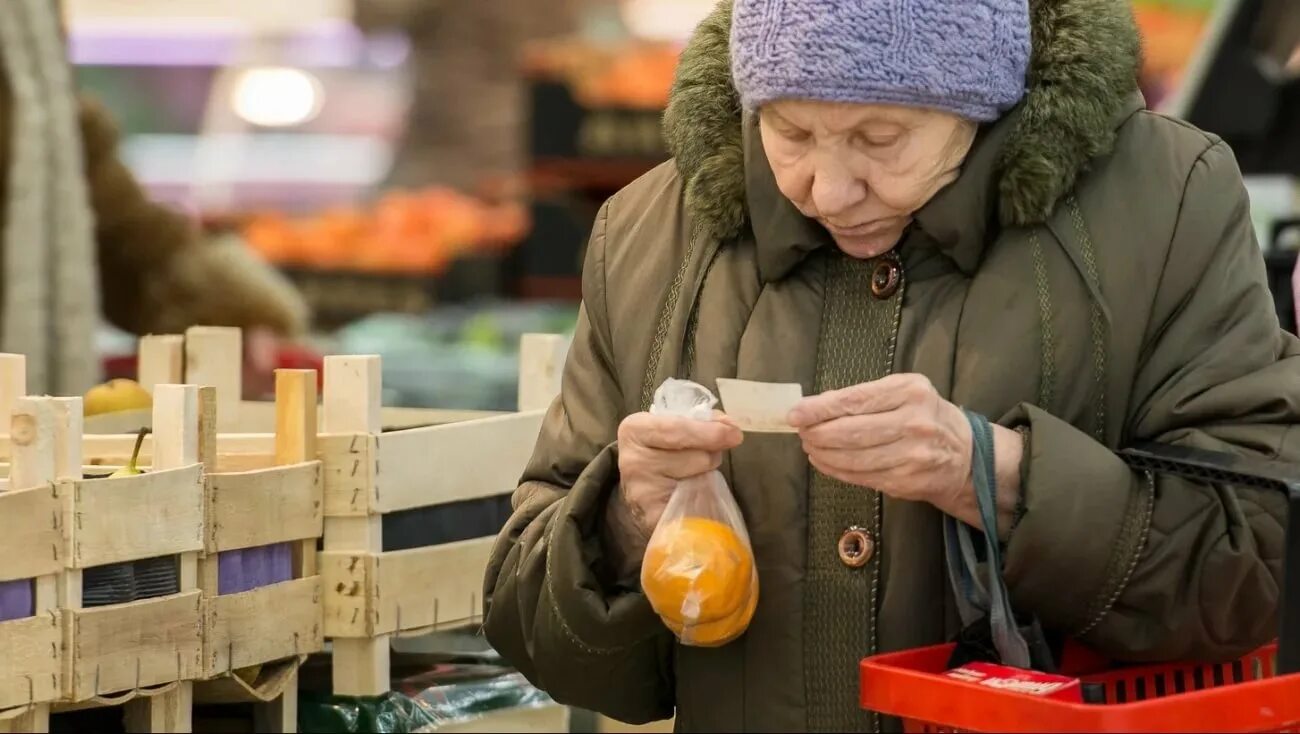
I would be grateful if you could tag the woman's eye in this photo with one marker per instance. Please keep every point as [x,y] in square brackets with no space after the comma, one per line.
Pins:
[793,135]
[877,141]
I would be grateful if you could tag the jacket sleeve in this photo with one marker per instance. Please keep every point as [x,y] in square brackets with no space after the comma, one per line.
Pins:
[552,607]
[1161,568]
[158,273]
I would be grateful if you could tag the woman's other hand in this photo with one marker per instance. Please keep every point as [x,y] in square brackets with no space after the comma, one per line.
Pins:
[655,452]
[899,437]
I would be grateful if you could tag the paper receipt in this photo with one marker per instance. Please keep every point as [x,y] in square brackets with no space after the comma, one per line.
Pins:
[759,407]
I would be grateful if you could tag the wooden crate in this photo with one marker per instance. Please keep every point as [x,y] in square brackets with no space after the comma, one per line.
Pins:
[254,487]
[273,625]
[141,653]
[31,517]
[372,594]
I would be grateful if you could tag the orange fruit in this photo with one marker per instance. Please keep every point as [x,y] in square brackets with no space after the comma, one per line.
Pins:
[697,571]
[719,632]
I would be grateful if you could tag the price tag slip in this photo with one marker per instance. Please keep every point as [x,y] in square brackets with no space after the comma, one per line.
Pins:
[759,407]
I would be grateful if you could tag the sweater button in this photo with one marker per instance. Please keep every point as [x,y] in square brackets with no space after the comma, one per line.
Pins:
[885,279]
[856,547]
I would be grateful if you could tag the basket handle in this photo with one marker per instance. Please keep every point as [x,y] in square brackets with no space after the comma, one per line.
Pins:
[1224,468]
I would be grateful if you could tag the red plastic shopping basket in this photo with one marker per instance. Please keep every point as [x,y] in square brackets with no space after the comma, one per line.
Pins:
[1258,693]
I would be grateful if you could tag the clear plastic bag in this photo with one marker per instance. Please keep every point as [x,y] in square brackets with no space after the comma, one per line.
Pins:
[698,571]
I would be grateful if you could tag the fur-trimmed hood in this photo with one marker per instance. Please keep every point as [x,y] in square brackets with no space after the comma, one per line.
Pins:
[1082,76]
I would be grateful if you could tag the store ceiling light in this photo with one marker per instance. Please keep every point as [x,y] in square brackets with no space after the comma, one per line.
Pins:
[277,96]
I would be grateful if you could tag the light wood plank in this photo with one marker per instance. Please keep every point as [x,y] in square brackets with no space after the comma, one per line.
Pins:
[347,583]
[433,588]
[214,356]
[176,430]
[208,428]
[353,393]
[170,711]
[263,625]
[352,406]
[36,719]
[31,534]
[32,431]
[144,516]
[31,651]
[350,472]
[175,426]
[127,646]
[13,383]
[295,416]
[541,366]
[361,666]
[69,422]
[259,508]
[160,360]
[279,714]
[440,464]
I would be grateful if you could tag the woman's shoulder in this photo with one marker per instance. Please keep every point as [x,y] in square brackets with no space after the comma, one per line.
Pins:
[645,226]
[1156,155]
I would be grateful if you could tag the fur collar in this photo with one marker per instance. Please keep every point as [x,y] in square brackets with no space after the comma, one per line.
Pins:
[1082,76]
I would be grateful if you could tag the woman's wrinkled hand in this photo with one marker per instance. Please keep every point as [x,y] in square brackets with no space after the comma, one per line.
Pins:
[895,435]
[655,452]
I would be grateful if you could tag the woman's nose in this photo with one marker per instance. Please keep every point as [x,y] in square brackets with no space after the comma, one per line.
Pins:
[835,191]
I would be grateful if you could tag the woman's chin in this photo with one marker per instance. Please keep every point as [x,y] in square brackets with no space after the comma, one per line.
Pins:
[867,246]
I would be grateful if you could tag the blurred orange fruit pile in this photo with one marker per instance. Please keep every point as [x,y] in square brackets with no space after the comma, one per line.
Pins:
[406,232]
[637,76]
[1170,36]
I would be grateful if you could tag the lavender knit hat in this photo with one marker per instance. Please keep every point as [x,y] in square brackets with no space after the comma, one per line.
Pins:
[968,57]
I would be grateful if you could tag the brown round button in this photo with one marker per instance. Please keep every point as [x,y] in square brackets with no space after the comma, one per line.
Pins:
[856,547]
[885,279]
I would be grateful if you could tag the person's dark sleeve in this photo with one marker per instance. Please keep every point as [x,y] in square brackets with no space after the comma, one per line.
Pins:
[1161,568]
[551,609]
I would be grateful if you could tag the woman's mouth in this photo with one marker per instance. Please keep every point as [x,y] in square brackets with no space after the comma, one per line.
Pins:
[860,230]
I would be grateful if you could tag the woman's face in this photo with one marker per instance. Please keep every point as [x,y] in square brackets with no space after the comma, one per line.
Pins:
[862,171]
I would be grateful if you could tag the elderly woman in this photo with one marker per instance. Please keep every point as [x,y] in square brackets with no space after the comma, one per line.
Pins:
[907,206]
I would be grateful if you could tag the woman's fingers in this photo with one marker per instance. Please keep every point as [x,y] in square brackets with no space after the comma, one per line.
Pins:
[677,464]
[856,431]
[678,434]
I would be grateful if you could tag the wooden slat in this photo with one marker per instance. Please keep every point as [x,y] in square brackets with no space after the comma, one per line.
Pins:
[31,538]
[263,625]
[32,432]
[349,473]
[440,464]
[262,507]
[32,667]
[295,416]
[541,365]
[214,356]
[348,591]
[144,643]
[353,389]
[352,406]
[160,360]
[13,385]
[171,711]
[128,518]
[438,587]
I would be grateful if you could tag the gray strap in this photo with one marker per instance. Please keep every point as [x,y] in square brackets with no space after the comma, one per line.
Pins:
[974,598]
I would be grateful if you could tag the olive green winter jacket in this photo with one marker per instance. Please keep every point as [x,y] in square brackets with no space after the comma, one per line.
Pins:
[1092,275]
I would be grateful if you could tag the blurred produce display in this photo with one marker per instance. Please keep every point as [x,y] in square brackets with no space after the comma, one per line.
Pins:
[409,232]
[637,75]
[1172,31]
[458,357]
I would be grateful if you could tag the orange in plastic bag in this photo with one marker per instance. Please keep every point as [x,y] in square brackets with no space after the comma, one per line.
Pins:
[698,571]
